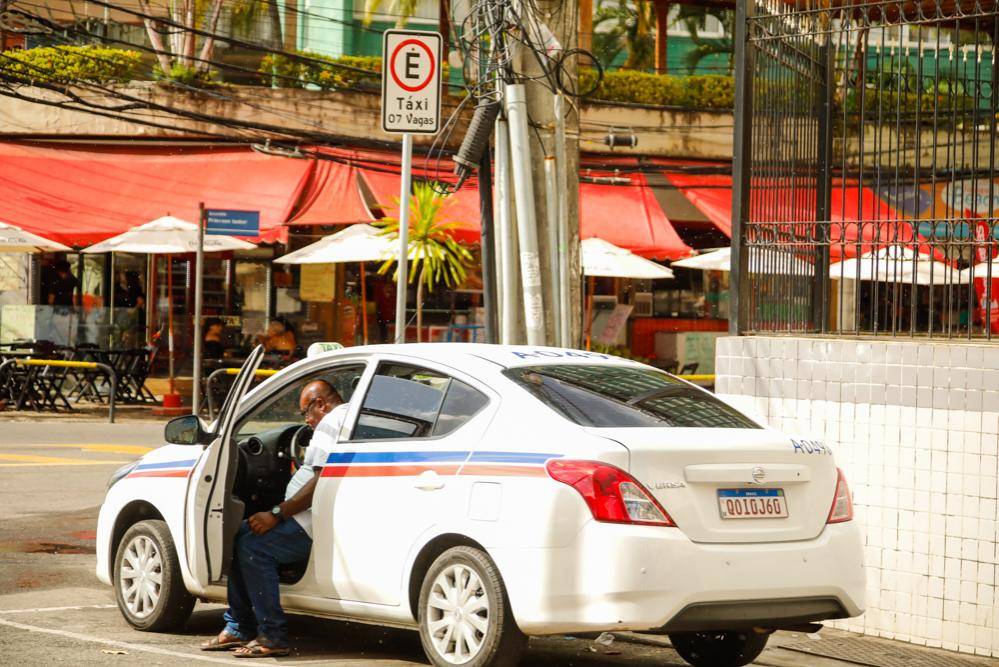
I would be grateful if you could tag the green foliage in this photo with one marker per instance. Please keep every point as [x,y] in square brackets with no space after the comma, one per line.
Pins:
[328,76]
[625,25]
[708,91]
[71,64]
[188,76]
[435,257]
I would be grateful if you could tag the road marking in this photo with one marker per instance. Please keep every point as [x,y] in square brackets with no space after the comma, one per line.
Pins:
[21,460]
[39,610]
[109,449]
[111,642]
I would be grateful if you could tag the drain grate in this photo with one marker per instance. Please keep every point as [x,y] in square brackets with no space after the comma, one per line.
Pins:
[864,651]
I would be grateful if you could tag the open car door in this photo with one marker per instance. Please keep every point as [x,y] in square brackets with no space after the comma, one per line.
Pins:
[213,514]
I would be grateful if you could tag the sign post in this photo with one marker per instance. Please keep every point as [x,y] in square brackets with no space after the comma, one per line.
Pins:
[218,222]
[411,104]
[199,272]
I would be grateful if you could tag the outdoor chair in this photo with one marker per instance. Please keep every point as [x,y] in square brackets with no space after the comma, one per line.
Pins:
[689,369]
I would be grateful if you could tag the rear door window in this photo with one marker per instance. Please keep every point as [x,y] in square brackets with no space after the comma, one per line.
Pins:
[406,401]
[618,396]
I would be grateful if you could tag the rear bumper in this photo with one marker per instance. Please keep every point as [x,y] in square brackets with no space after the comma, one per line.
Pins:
[617,577]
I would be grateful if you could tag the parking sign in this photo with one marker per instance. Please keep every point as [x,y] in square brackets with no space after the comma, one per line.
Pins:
[411,81]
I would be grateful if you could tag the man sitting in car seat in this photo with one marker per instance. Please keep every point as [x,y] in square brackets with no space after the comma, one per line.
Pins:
[255,623]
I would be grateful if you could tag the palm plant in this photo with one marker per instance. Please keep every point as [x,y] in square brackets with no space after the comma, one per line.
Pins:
[403,10]
[627,26]
[434,256]
[694,18]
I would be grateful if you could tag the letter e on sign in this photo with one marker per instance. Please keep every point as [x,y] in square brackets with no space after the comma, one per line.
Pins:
[411,81]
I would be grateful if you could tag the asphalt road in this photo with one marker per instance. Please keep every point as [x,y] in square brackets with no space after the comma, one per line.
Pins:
[53,609]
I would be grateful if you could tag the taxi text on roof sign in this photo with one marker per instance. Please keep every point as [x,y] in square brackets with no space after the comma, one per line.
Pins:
[411,81]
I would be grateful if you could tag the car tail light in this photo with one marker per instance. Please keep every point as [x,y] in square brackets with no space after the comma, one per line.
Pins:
[612,494]
[842,507]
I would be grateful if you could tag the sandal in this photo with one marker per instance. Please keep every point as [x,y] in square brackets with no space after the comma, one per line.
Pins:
[223,642]
[255,649]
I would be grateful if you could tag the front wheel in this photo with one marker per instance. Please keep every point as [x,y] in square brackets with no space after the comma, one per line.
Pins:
[719,649]
[147,580]
[464,613]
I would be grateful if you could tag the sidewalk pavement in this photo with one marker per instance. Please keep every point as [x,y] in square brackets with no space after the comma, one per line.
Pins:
[835,648]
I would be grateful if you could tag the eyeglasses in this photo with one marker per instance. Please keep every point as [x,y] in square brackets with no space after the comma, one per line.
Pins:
[309,406]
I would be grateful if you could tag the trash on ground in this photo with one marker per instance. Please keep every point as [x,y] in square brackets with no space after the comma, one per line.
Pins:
[604,639]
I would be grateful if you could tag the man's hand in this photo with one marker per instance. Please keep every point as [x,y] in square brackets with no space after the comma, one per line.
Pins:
[261,522]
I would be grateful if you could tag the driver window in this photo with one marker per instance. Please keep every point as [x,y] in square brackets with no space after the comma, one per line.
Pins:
[281,409]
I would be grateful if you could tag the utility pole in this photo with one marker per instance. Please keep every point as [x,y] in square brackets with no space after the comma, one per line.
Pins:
[562,19]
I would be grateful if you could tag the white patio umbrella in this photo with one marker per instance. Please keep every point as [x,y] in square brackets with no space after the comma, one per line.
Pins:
[981,270]
[357,243]
[14,239]
[166,236]
[897,264]
[760,261]
[600,258]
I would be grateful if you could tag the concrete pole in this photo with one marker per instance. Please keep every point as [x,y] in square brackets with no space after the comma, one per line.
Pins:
[565,277]
[527,227]
[562,20]
[506,240]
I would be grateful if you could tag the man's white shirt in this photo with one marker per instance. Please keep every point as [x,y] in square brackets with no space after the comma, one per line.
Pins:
[323,442]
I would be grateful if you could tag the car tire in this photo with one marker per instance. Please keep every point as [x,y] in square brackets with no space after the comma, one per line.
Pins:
[148,584]
[488,634]
[719,649]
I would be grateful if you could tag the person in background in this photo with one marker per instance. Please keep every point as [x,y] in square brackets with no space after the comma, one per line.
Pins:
[62,288]
[214,342]
[279,338]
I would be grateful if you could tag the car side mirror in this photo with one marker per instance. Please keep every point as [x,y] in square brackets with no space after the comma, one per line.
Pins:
[186,430]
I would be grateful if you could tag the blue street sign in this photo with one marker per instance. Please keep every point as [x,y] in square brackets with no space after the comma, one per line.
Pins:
[232,223]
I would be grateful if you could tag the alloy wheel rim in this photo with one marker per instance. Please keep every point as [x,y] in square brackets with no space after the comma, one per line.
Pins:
[457,614]
[141,578]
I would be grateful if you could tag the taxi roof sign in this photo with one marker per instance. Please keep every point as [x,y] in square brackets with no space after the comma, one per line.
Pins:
[411,81]
[320,348]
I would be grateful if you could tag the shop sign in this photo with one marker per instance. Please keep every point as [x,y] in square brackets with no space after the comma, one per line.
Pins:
[226,222]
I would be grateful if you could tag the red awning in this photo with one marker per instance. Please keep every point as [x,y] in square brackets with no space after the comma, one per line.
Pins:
[331,197]
[628,216]
[865,217]
[81,195]
[462,209]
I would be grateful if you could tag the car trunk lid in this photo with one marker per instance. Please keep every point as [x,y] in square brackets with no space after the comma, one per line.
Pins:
[689,470]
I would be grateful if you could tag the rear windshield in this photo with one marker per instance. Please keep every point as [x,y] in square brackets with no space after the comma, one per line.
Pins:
[615,396]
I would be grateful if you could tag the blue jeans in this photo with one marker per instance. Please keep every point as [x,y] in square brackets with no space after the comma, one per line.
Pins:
[254,589]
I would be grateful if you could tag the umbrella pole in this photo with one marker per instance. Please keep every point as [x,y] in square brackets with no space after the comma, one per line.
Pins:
[589,309]
[169,259]
[364,306]
[114,284]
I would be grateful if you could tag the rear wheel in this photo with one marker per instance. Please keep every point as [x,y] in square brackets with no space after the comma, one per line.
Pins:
[147,580]
[719,649]
[464,613]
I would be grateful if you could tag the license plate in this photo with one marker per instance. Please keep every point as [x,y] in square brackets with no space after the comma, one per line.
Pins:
[752,503]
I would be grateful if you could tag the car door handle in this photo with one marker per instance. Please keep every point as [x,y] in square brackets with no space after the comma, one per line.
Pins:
[429,480]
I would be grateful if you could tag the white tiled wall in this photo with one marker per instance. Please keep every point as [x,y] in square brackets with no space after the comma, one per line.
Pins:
[914,426]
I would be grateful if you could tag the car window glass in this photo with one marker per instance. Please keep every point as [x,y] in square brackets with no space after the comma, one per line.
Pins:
[282,408]
[617,396]
[460,404]
[402,402]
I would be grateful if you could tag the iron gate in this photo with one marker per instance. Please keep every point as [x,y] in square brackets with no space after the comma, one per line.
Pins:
[865,173]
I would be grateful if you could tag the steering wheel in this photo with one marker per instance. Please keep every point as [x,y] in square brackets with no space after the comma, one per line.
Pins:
[299,443]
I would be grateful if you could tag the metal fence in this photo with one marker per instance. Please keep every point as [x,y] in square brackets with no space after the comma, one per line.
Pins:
[866,179]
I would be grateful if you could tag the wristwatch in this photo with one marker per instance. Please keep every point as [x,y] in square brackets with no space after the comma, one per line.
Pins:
[276,511]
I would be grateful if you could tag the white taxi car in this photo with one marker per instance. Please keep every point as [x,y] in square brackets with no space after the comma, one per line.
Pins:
[484,493]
